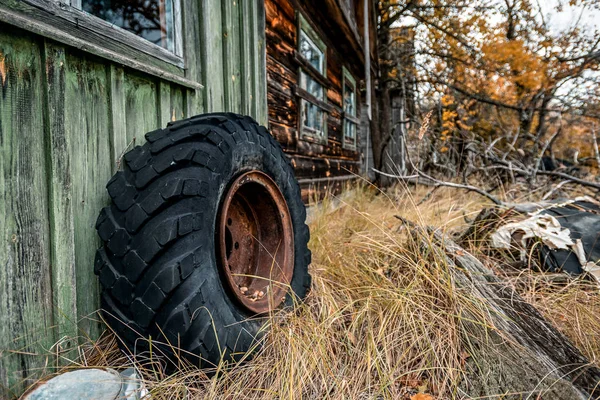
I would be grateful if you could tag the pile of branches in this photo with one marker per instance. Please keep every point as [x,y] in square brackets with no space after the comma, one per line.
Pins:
[473,163]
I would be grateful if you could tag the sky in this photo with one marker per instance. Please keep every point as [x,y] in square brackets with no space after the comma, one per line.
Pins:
[559,21]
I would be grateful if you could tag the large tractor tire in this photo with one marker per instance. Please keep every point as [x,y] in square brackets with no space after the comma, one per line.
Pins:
[205,236]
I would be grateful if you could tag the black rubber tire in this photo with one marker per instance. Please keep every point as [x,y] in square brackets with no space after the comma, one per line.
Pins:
[157,266]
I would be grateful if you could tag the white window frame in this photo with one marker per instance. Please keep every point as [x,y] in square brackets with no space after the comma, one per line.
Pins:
[306,132]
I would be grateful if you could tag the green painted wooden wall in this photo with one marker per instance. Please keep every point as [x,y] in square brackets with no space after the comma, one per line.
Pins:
[66,117]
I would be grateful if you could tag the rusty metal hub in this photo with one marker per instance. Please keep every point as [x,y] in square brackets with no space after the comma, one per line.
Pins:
[256,242]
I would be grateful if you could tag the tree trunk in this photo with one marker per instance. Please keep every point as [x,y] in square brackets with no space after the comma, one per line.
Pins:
[385,122]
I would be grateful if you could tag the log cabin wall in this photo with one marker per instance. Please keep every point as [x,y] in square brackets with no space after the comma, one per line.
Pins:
[320,164]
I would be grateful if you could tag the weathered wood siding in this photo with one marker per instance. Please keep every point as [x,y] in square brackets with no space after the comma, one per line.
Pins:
[66,118]
[317,166]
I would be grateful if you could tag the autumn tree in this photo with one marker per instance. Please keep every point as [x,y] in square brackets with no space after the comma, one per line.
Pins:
[492,71]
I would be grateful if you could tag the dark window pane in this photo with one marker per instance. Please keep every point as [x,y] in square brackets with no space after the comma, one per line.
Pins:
[151,19]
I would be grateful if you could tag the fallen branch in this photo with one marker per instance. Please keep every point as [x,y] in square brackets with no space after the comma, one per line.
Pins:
[436,182]
[555,189]
[501,164]
[513,350]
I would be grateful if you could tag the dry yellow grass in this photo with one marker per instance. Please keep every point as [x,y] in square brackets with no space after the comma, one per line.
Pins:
[382,320]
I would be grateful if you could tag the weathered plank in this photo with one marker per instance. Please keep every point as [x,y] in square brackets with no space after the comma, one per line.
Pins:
[177,101]
[88,131]
[231,55]
[64,286]
[116,96]
[260,64]
[211,54]
[247,72]
[194,98]
[140,108]
[194,102]
[163,103]
[25,280]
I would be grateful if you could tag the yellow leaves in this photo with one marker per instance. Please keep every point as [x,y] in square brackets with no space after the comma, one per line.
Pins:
[454,117]
[516,69]
[448,116]
[447,100]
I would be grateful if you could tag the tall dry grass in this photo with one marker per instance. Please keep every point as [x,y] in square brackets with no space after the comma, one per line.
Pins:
[383,320]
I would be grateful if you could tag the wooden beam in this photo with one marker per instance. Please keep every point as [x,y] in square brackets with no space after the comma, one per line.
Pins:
[309,97]
[311,71]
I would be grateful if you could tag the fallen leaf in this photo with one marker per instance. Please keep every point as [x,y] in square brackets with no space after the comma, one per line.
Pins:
[421,396]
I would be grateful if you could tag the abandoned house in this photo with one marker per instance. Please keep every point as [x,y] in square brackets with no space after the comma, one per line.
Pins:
[82,81]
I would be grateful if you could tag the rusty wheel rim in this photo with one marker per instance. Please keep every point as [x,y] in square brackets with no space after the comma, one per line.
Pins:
[256,242]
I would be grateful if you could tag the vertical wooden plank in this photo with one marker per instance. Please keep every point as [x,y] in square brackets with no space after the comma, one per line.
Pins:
[170,103]
[163,100]
[191,40]
[116,98]
[194,102]
[211,54]
[262,114]
[25,276]
[255,36]
[247,35]
[231,55]
[62,246]
[178,106]
[141,113]
[193,99]
[88,128]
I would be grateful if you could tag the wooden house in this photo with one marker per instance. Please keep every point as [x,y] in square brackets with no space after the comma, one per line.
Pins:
[81,81]
[317,86]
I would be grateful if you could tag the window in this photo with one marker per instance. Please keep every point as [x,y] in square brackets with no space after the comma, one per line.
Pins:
[145,35]
[350,118]
[153,20]
[312,50]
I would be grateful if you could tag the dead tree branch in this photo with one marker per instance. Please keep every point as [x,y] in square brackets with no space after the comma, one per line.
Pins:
[431,181]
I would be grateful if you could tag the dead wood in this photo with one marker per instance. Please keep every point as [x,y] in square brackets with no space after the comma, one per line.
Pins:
[423,179]
[514,352]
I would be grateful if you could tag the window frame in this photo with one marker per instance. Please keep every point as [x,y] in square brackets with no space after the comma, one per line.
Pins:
[305,132]
[70,25]
[353,119]
[177,22]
